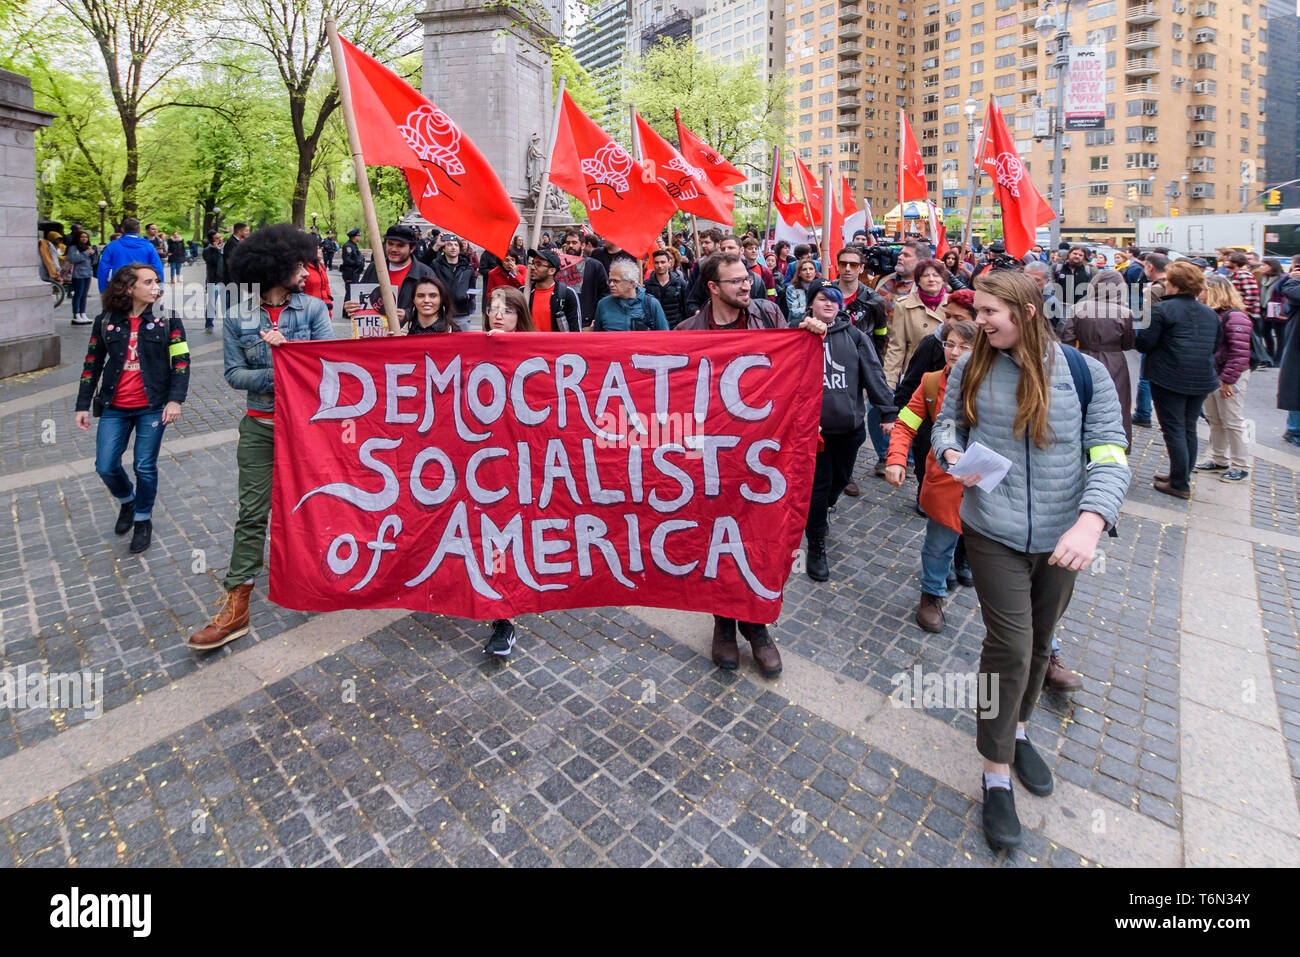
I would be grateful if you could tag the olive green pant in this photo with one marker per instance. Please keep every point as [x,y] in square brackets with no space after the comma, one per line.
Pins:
[255,455]
[1022,598]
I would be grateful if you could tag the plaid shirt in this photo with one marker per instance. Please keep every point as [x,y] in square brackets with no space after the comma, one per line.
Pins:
[1244,282]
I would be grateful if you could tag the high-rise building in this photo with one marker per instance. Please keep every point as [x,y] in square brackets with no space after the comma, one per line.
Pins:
[1282,99]
[599,45]
[1185,88]
[657,20]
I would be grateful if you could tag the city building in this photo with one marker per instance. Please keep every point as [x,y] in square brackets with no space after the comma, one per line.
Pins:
[1282,153]
[654,21]
[1187,95]
[599,44]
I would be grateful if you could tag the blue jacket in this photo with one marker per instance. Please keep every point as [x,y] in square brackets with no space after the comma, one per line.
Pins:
[131,248]
[248,358]
[630,315]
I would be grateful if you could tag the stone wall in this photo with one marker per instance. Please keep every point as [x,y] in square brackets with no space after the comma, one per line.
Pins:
[27,337]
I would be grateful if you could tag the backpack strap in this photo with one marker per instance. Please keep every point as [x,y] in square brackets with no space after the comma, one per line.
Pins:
[1082,378]
[930,385]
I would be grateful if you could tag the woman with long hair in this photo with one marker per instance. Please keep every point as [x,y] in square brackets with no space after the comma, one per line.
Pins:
[956,274]
[507,312]
[1269,275]
[1225,407]
[430,309]
[80,256]
[1026,397]
[1179,345]
[796,291]
[1101,326]
[136,376]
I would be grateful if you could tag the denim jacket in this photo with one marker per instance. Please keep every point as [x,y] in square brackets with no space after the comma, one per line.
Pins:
[248,358]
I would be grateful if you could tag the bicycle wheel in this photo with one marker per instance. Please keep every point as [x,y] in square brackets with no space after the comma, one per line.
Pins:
[59,293]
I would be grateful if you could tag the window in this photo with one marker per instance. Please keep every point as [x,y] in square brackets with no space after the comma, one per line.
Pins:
[824,150]
[950,129]
[976,29]
[826,63]
[1100,11]
[953,72]
[1099,162]
[1204,61]
[1110,59]
[805,86]
[807,17]
[805,119]
[1004,21]
[951,109]
[1139,134]
[1104,35]
[977,48]
[1176,57]
[1140,160]
[1133,213]
[1004,81]
[1142,108]
[805,68]
[823,116]
[1004,41]
[825,133]
[952,36]
[949,91]
[1098,137]
[1100,189]
[1245,121]
[1096,214]
[826,80]
[1004,61]
[977,10]
[805,136]
[977,67]
[952,53]
[824,98]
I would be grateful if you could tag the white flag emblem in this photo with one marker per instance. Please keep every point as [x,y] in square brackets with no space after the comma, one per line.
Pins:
[435,140]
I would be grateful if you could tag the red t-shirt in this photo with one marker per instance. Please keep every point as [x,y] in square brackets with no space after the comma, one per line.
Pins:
[273,314]
[541,309]
[130,393]
[395,276]
[850,300]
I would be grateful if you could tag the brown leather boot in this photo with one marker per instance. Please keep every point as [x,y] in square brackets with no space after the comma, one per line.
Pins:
[1060,678]
[726,653]
[852,490]
[231,621]
[763,647]
[1162,485]
[929,613]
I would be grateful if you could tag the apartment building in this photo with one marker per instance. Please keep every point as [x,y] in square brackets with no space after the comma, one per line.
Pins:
[1185,100]
[598,45]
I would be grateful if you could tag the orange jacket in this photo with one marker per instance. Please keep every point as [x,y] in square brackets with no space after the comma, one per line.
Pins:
[940,493]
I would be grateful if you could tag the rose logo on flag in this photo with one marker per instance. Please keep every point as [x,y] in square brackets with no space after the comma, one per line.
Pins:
[435,140]
[609,167]
[1009,172]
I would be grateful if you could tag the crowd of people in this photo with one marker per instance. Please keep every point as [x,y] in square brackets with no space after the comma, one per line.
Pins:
[924,356]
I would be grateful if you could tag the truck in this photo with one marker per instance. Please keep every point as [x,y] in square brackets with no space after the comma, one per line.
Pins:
[1269,234]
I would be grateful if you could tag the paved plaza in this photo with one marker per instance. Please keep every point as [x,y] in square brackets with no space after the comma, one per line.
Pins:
[383,738]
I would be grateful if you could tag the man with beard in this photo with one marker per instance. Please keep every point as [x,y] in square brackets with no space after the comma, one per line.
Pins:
[274,261]
[730,307]
[586,277]
[404,270]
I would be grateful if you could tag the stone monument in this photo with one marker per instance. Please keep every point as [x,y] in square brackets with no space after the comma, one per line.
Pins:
[27,337]
[486,66]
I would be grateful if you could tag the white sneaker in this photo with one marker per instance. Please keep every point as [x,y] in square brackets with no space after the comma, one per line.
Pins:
[81,319]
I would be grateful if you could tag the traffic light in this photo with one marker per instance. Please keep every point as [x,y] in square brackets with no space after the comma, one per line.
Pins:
[1275,197]
[1173,211]
[1132,194]
[1110,202]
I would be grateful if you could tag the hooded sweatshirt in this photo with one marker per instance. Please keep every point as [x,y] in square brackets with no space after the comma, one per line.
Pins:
[849,366]
[127,249]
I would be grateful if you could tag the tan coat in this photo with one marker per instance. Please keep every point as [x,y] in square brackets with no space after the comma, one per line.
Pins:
[911,322]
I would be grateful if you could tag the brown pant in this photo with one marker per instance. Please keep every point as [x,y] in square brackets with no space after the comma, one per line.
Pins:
[1022,598]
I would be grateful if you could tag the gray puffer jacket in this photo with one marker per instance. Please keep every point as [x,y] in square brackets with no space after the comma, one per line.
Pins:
[1046,489]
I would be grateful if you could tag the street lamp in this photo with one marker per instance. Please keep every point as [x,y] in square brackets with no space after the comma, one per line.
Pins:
[969,109]
[102,234]
[1053,23]
[313,222]
[216,218]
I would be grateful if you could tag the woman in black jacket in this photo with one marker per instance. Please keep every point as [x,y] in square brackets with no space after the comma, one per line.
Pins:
[140,365]
[175,255]
[430,309]
[1179,346]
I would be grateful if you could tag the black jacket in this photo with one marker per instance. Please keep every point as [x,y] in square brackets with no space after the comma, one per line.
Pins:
[175,251]
[928,357]
[458,278]
[566,315]
[870,316]
[1288,380]
[406,291]
[850,366]
[672,297]
[228,250]
[1179,345]
[215,264]
[593,288]
[1073,281]
[164,360]
[354,263]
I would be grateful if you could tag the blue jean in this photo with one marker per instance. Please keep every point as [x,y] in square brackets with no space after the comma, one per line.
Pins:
[1143,409]
[114,433]
[80,289]
[879,440]
[174,270]
[936,557]
[1293,425]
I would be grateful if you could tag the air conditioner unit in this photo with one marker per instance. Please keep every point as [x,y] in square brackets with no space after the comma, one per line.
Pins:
[1151,110]
[1179,80]
[1178,7]
[1200,87]
[1151,138]
[1204,36]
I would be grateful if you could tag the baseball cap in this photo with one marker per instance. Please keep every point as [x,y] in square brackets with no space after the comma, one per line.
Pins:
[548,255]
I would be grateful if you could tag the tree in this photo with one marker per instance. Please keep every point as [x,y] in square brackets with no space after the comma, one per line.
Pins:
[141,42]
[291,33]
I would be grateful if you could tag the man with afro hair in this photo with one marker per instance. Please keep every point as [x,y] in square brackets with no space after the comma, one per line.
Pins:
[273,261]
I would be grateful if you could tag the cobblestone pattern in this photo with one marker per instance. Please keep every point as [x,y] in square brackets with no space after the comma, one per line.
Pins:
[72,597]
[1146,458]
[1278,576]
[1274,498]
[1119,733]
[564,756]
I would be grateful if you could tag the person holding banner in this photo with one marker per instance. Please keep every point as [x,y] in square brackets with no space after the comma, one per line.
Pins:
[404,270]
[851,367]
[432,309]
[274,260]
[730,307]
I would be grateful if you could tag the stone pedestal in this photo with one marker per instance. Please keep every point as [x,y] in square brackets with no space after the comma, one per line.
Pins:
[488,70]
[27,337]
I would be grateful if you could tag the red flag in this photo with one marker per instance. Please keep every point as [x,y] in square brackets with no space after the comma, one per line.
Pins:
[911,166]
[701,154]
[1023,208]
[811,191]
[624,200]
[790,211]
[451,183]
[942,246]
[846,198]
[690,188]
[834,233]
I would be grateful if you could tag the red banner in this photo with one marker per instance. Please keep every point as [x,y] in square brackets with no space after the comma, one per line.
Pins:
[484,476]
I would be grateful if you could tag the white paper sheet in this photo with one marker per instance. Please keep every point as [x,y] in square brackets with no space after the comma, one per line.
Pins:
[982,461]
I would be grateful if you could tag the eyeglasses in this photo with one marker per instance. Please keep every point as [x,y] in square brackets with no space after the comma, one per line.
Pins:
[846,265]
[737,282]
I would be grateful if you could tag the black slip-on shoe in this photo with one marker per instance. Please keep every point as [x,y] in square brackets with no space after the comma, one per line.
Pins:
[1032,770]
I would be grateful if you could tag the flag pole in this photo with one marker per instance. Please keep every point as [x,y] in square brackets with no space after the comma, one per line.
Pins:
[977,161]
[827,199]
[546,186]
[636,155]
[771,189]
[363,183]
[695,229]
